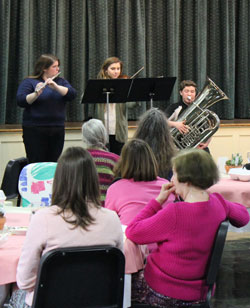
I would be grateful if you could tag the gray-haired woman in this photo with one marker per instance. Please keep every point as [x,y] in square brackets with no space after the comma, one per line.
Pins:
[95,138]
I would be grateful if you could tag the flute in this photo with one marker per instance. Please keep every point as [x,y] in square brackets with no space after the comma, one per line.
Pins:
[45,83]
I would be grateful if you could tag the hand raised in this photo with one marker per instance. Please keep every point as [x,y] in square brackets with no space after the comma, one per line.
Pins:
[166,190]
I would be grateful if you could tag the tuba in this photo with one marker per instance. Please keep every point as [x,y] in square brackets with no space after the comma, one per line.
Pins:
[202,122]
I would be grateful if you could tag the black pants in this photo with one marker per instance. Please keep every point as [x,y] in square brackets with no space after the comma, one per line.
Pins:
[43,143]
[114,145]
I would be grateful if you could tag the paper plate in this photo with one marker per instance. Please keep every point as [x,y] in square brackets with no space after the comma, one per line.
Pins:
[239,174]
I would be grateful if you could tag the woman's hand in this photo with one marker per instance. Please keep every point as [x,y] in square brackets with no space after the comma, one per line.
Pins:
[53,85]
[30,98]
[39,88]
[166,190]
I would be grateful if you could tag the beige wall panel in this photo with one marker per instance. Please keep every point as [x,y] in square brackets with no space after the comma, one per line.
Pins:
[230,140]
[227,140]
[244,145]
[221,146]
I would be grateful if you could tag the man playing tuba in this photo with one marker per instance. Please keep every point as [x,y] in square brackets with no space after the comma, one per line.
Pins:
[188,92]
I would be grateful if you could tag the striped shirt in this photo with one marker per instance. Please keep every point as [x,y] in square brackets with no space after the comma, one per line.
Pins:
[105,162]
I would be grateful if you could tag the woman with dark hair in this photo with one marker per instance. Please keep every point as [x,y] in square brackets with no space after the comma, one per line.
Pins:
[43,97]
[75,219]
[139,182]
[95,139]
[112,68]
[153,128]
[184,232]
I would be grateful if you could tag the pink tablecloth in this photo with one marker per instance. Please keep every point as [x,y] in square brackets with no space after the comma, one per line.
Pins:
[11,250]
[235,191]
[134,256]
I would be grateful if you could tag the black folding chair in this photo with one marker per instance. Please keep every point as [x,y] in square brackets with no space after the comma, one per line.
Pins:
[214,262]
[212,267]
[80,277]
[11,177]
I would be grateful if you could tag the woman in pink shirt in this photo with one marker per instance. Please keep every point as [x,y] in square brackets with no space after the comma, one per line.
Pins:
[139,182]
[76,218]
[184,232]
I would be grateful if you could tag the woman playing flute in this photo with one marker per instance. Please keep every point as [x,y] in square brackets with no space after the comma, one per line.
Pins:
[43,97]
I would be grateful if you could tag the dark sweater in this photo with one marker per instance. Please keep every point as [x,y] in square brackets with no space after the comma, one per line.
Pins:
[49,108]
[171,108]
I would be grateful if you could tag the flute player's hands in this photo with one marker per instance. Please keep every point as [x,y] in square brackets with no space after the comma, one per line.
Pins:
[39,88]
[30,98]
[53,85]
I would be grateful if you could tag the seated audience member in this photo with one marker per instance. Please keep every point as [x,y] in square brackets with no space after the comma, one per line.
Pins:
[95,138]
[153,128]
[185,233]
[76,218]
[139,182]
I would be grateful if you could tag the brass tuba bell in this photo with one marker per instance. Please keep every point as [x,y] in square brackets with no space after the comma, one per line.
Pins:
[202,122]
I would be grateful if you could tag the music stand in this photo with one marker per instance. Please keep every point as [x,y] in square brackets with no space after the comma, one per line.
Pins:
[144,89]
[106,91]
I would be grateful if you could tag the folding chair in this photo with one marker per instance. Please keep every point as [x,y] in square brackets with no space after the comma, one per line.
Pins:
[214,262]
[80,277]
[212,267]
[11,177]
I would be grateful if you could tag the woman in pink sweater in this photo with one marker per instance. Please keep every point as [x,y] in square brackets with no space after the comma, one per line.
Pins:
[184,231]
[76,218]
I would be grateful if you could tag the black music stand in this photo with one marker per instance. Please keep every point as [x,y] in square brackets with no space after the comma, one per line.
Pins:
[144,89]
[106,91]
